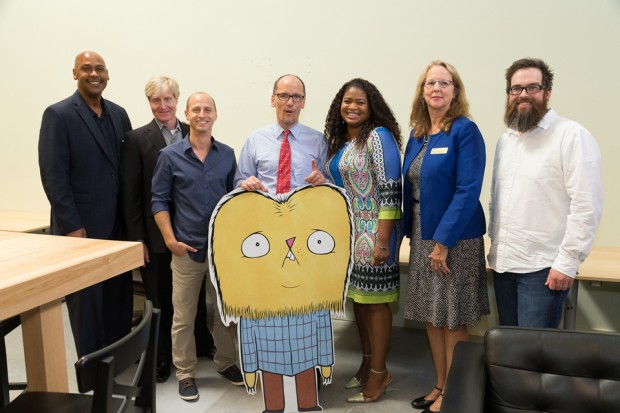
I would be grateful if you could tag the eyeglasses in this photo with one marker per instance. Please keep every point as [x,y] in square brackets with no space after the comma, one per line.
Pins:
[441,83]
[284,97]
[530,89]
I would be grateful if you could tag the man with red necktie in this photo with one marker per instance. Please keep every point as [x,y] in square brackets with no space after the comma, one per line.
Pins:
[284,148]
[277,159]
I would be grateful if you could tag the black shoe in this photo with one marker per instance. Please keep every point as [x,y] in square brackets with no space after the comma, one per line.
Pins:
[233,374]
[163,371]
[422,403]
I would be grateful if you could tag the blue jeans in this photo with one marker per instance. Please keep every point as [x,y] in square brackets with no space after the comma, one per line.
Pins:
[524,300]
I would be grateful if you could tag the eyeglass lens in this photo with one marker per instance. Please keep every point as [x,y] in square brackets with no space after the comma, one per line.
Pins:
[284,97]
[441,83]
[530,89]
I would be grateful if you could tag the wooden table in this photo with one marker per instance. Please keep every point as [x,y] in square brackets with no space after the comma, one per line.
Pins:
[21,221]
[603,265]
[36,271]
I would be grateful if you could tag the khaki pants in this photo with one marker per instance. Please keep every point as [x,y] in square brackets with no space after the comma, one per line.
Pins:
[187,276]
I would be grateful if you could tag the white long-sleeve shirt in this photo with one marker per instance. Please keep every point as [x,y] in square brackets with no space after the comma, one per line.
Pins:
[546,198]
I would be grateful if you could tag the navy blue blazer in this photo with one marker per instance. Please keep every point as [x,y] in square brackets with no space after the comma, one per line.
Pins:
[78,172]
[450,184]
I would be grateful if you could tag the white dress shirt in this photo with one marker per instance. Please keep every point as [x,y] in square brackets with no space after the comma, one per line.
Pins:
[546,198]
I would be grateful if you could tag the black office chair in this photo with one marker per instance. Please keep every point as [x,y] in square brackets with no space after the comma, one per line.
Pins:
[535,370]
[99,371]
[6,326]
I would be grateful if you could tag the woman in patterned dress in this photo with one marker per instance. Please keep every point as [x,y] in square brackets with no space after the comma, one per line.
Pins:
[364,146]
[443,169]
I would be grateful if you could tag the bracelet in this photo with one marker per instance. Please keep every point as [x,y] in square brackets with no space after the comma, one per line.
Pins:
[381,248]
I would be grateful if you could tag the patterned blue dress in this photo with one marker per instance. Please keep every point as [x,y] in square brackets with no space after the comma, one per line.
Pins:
[371,177]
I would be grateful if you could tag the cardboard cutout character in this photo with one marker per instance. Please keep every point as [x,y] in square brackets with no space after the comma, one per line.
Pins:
[279,265]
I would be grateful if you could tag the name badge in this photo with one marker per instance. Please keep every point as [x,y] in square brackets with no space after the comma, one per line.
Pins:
[439,151]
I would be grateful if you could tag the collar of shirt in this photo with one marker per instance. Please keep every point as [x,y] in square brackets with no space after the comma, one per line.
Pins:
[161,126]
[186,144]
[548,119]
[104,109]
[294,131]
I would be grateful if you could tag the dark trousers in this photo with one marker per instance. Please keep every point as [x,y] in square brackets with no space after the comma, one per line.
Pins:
[101,314]
[157,279]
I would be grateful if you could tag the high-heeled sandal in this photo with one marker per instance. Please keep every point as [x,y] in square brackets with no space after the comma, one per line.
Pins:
[360,398]
[422,403]
[354,382]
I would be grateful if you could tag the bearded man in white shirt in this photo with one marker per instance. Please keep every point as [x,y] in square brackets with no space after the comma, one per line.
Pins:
[546,201]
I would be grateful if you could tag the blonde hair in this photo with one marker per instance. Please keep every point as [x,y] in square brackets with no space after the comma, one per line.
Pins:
[158,85]
[420,119]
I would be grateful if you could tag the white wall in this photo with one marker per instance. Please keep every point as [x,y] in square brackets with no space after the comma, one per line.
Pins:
[235,49]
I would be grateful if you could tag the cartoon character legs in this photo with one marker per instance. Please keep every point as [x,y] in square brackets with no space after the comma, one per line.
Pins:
[305,385]
[273,392]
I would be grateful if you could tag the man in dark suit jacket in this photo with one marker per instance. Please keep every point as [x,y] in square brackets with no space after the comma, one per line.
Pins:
[79,148]
[138,158]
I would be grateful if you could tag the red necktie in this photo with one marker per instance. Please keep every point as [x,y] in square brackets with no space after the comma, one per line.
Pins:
[284,166]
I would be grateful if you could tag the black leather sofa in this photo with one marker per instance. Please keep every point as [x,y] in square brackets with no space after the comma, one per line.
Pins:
[535,370]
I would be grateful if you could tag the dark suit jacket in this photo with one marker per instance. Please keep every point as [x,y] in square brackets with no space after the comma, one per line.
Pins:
[139,155]
[79,174]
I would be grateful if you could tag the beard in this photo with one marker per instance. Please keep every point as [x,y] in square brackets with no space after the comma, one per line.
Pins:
[525,120]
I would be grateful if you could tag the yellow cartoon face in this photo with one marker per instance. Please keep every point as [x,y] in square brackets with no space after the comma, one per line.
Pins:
[281,255]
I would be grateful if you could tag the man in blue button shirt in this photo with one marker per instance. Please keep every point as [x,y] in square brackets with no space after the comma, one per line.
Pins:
[138,158]
[189,179]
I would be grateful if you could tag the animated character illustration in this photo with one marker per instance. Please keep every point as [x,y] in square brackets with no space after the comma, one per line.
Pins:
[280,264]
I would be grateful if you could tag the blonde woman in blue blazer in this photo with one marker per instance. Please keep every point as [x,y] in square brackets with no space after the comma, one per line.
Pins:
[442,176]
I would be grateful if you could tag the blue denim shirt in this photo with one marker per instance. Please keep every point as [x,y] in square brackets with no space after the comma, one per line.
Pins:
[189,190]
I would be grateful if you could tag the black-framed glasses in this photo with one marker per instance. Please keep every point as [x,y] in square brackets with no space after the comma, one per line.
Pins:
[529,89]
[441,83]
[284,97]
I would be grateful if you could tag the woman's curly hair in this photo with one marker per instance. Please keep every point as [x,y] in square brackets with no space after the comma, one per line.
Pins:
[380,115]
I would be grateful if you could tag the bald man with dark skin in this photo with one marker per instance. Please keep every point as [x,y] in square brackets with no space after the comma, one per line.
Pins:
[79,148]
